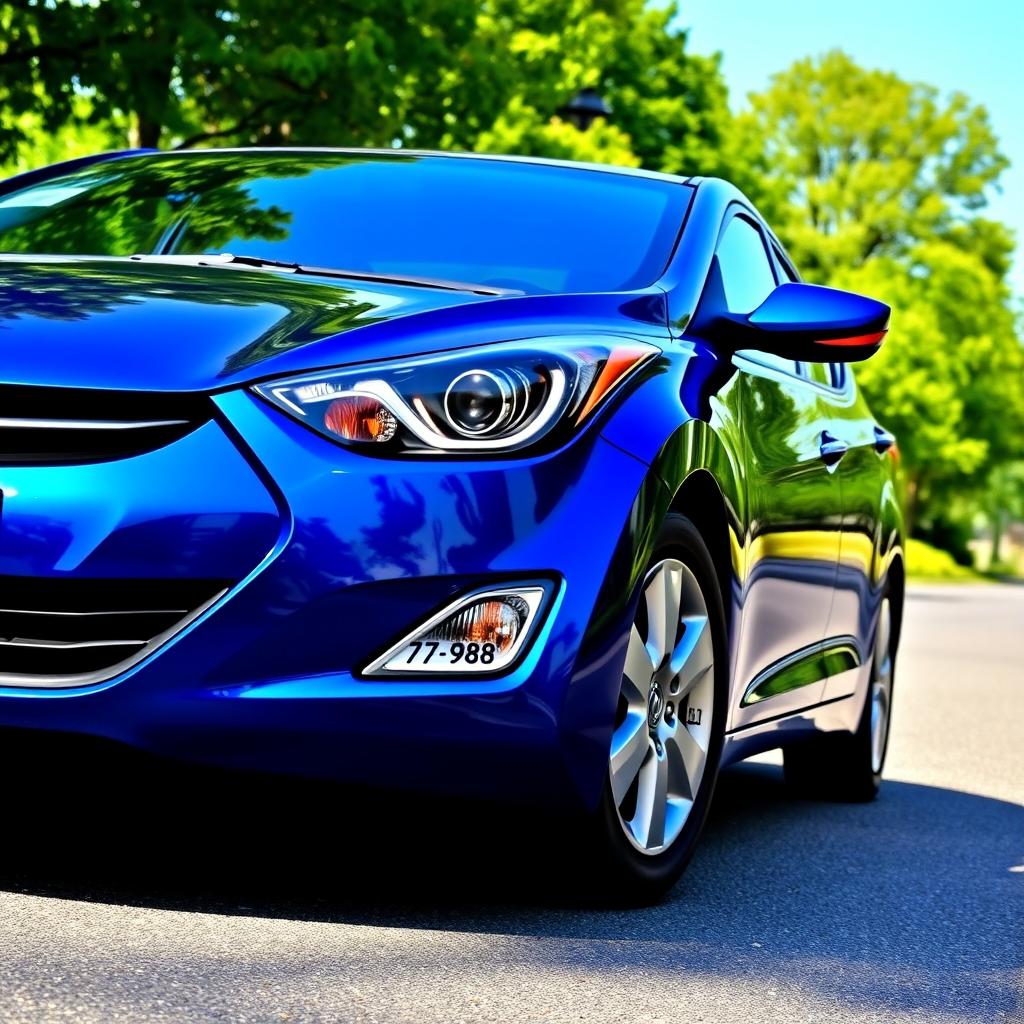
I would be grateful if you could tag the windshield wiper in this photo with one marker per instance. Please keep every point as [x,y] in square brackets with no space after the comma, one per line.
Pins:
[227,259]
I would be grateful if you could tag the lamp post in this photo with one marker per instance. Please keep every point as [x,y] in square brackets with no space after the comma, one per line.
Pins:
[584,108]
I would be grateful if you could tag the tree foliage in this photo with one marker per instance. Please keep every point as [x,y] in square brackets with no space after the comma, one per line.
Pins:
[240,71]
[878,186]
[864,164]
[526,58]
[450,74]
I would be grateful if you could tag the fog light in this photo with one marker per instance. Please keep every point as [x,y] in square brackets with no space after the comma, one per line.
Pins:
[480,633]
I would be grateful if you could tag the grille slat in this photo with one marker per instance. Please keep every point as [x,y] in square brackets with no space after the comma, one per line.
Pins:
[67,632]
[70,627]
[21,641]
[74,425]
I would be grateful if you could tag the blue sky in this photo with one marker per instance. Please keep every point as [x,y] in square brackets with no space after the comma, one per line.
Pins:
[976,47]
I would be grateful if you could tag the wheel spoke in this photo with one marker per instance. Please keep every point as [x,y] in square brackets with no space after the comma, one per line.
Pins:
[881,694]
[639,667]
[630,745]
[663,596]
[648,824]
[883,635]
[687,756]
[694,655]
[881,685]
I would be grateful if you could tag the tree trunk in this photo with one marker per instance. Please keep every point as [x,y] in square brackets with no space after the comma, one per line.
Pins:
[997,521]
[914,488]
[147,132]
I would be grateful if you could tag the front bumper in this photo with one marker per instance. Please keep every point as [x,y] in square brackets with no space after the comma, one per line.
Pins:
[331,556]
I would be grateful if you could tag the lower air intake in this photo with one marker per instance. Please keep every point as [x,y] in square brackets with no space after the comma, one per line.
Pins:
[72,632]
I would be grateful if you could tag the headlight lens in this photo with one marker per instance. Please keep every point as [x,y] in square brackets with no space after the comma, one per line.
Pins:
[500,397]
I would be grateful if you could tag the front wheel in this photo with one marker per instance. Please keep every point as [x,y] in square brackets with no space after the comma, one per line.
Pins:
[670,719]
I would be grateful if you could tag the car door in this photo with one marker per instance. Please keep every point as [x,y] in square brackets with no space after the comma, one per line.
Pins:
[861,476]
[791,550]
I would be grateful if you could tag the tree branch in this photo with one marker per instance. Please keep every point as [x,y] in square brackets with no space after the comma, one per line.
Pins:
[246,122]
[67,52]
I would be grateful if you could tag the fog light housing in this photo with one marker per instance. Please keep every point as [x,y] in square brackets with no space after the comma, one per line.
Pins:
[481,633]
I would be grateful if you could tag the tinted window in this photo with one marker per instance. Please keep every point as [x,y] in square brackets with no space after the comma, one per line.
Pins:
[787,272]
[528,226]
[748,279]
[829,375]
[747,276]
[820,373]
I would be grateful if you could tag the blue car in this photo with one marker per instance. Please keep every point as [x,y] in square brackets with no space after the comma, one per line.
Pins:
[469,475]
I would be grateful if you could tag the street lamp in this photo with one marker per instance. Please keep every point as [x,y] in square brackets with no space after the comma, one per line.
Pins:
[584,108]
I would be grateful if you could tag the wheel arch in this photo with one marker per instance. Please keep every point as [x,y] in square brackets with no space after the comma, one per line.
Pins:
[700,499]
[896,579]
[692,473]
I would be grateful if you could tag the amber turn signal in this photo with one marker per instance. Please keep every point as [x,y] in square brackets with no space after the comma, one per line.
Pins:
[360,418]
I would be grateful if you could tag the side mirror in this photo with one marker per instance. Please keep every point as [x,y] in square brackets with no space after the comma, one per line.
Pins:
[809,323]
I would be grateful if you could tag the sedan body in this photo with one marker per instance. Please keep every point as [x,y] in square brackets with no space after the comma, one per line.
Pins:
[358,466]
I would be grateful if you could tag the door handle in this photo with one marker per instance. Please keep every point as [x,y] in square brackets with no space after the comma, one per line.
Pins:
[832,449]
[883,440]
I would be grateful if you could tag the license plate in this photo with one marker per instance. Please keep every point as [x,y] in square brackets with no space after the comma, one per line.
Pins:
[438,654]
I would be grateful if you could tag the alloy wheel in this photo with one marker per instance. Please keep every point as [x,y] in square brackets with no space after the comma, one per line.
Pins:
[881,686]
[659,747]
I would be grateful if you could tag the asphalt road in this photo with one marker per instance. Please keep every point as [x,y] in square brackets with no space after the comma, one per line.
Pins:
[228,905]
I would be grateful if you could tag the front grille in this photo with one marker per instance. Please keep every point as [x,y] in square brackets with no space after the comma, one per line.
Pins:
[69,632]
[69,425]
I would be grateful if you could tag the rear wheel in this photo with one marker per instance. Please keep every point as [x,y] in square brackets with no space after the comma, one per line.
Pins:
[849,766]
[667,738]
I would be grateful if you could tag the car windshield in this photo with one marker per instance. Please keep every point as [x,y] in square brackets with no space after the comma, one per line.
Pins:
[530,227]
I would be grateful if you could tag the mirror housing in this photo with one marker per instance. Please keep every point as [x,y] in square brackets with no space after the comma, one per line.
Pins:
[807,322]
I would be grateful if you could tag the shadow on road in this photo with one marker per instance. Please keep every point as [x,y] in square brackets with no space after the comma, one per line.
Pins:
[926,880]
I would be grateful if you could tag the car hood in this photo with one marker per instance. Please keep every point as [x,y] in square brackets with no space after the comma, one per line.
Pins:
[123,324]
[116,323]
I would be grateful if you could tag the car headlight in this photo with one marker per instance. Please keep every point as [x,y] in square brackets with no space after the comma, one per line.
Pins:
[497,398]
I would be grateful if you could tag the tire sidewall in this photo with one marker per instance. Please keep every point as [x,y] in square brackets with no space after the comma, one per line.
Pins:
[650,873]
[864,727]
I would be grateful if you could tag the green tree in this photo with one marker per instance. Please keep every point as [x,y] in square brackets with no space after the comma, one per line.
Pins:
[948,379]
[865,164]
[1004,500]
[527,58]
[485,75]
[878,187]
[240,71]
[131,60]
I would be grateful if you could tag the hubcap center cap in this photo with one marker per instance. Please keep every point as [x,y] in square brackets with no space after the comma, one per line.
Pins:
[655,705]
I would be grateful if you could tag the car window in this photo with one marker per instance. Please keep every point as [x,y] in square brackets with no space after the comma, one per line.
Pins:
[747,276]
[820,373]
[537,228]
[748,279]
[783,265]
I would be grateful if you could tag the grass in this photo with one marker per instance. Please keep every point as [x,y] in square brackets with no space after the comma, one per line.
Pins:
[927,563]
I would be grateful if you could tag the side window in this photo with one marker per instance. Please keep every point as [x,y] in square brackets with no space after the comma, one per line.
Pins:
[783,265]
[747,276]
[820,373]
[748,279]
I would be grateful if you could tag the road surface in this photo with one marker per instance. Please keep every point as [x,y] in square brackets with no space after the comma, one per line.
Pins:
[223,908]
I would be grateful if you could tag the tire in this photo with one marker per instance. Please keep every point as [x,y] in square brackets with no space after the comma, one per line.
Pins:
[631,861]
[848,766]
